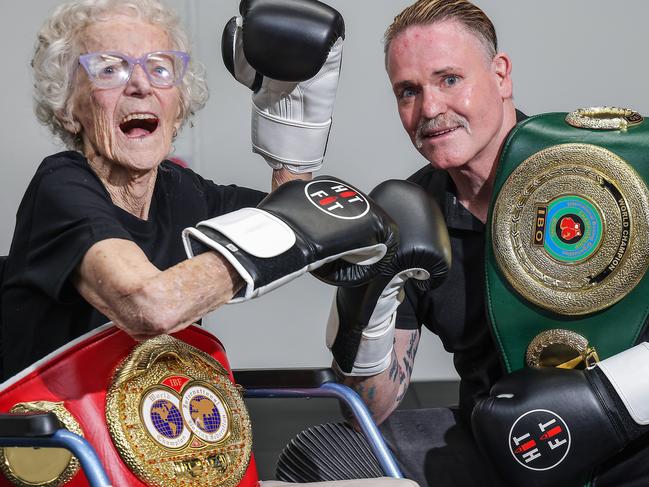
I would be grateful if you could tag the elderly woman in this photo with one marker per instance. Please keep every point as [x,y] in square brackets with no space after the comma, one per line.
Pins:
[98,233]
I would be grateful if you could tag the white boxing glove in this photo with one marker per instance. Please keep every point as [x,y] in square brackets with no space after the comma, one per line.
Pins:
[289,54]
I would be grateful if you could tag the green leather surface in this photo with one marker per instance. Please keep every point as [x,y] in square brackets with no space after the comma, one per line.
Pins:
[515,321]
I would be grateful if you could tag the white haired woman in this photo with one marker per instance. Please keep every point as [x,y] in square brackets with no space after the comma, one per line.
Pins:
[97,236]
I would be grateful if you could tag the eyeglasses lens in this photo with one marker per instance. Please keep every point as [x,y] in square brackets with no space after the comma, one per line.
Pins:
[108,70]
[163,69]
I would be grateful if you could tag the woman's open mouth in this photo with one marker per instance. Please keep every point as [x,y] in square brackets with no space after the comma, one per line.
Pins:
[137,125]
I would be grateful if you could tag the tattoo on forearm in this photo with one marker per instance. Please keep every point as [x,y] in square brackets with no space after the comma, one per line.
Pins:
[412,346]
[406,371]
[368,394]
[394,367]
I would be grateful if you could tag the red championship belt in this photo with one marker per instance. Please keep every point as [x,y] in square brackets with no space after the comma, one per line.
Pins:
[164,412]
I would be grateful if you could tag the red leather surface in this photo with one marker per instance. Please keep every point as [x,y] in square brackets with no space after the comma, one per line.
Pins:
[80,377]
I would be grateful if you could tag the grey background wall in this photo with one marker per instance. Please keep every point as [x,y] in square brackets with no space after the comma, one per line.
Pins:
[566,54]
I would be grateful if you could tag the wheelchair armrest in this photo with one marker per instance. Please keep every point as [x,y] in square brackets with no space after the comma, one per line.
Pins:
[43,430]
[283,378]
[28,424]
[317,382]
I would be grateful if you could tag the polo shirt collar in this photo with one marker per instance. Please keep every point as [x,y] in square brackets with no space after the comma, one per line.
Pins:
[456,215]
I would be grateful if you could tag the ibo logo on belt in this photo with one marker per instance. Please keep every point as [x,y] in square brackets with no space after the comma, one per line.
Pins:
[572,228]
[569,227]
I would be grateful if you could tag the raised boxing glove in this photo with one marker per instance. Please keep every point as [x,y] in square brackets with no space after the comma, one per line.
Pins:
[360,330]
[550,427]
[288,52]
[324,224]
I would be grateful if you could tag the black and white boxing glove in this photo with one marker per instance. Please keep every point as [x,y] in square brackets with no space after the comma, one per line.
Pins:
[288,52]
[549,427]
[324,225]
[360,330]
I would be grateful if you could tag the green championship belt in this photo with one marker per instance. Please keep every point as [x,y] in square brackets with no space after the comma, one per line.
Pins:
[568,238]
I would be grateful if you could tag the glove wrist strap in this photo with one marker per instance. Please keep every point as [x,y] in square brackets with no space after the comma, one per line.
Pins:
[374,354]
[248,231]
[300,146]
[628,373]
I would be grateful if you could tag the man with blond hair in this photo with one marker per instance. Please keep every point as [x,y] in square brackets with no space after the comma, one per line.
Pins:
[454,97]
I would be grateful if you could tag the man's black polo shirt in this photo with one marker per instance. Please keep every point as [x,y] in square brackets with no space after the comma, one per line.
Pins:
[455,311]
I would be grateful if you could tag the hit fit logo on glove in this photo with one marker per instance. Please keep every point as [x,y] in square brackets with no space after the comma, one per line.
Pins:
[540,439]
[563,423]
[335,199]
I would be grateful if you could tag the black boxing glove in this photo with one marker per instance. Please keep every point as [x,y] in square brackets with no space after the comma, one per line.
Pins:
[549,426]
[288,52]
[360,331]
[324,224]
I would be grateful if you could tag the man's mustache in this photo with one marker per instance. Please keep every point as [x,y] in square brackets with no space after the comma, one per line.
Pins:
[440,122]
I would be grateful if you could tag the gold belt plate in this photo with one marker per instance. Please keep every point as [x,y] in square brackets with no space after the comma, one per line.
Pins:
[564,349]
[570,229]
[176,419]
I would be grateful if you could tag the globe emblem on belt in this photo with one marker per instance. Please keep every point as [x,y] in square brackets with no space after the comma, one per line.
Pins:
[204,413]
[166,418]
[162,416]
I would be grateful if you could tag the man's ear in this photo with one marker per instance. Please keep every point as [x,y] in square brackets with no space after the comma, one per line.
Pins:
[502,69]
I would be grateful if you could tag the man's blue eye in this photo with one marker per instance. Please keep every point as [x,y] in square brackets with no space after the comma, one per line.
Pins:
[407,93]
[451,80]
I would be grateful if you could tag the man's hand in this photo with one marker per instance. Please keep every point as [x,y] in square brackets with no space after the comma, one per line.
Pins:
[549,427]
[360,331]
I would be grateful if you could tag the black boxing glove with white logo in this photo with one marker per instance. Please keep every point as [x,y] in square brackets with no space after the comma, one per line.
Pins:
[324,225]
[549,427]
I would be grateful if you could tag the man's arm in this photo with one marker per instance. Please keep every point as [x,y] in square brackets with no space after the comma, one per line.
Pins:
[384,392]
[375,357]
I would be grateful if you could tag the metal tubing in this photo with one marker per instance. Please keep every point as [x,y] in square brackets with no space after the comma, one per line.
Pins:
[352,400]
